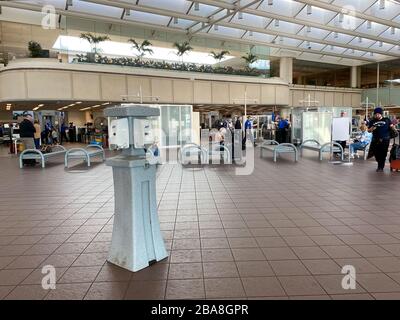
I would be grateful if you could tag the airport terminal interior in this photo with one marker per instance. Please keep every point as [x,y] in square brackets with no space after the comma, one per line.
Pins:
[210,149]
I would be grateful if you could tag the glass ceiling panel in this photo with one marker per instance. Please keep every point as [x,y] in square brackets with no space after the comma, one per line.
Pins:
[59,4]
[349,22]
[390,10]
[181,6]
[358,5]
[289,42]
[148,18]
[284,26]
[381,46]
[391,34]
[287,8]
[262,37]
[334,49]
[204,10]
[362,43]
[317,15]
[224,31]
[97,9]
[311,45]
[339,38]
[181,23]
[355,53]
[371,28]
[314,33]
[249,20]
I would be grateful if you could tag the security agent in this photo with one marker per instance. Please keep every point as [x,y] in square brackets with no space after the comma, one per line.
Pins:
[380,128]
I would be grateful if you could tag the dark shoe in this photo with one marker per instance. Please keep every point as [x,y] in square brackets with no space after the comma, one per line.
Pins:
[379,170]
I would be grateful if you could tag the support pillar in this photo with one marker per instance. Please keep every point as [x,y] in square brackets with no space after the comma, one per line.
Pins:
[286,69]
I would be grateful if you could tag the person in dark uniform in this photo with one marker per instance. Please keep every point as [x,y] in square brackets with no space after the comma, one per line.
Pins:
[27,133]
[380,127]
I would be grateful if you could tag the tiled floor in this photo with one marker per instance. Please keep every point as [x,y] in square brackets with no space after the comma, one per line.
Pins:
[282,233]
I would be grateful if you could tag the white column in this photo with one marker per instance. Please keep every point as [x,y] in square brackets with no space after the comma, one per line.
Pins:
[286,69]
[354,77]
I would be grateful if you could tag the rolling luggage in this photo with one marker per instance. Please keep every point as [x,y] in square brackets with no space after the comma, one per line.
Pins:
[395,157]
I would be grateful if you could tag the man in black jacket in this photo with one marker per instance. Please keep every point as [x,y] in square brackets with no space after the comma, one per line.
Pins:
[380,128]
[27,131]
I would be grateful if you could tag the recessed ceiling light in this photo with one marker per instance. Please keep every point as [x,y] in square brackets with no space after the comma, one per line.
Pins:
[8,107]
[36,108]
[40,105]
[309,9]
[79,102]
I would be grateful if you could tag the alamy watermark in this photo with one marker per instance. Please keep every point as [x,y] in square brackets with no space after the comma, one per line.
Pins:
[49,278]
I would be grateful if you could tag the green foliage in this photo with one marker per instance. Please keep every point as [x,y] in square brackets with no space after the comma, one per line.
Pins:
[250,58]
[162,65]
[182,48]
[142,48]
[219,55]
[94,40]
[35,49]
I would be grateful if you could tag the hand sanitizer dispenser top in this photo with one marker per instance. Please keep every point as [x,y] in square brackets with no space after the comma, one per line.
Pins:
[136,238]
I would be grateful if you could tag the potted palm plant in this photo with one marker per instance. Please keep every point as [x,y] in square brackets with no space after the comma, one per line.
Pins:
[218,56]
[182,48]
[142,48]
[249,58]
[36,51]
[94,41]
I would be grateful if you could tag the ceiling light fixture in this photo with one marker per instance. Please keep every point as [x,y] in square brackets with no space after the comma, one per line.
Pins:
[8,107]
[331,47]
[270,2]
[369,25]
[359,39]
[392,30]
[309,9]
[70,3]
[250,33]
[380,44]
[341,17]
[127,12]
[36,108]
[40,105]
[276,23]
[215,27]
[79,102]
[381,4]
[308,29]
[176,20]
[240,15]
[335,35]
[196,6]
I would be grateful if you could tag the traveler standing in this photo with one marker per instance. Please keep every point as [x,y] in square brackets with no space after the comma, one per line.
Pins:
[63,133]
[27,131]
[380,127]
[37,134]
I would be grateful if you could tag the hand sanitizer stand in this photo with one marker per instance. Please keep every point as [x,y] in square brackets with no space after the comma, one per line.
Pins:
[136,238]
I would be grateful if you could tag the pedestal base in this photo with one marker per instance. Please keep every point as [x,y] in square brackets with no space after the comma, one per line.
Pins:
[136,238]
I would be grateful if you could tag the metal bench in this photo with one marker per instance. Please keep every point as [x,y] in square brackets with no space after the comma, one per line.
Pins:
[190,149]
[34,154]
[277,149]
[92,150]
[329,147]
[365,150]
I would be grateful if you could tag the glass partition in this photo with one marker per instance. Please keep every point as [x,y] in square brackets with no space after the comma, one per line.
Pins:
[317,126]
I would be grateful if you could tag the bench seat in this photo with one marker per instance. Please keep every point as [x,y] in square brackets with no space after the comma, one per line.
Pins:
[34,154]
[91,151]
[276,149]
[329,147]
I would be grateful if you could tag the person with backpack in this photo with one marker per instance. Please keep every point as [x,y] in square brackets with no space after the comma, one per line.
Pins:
[380,127]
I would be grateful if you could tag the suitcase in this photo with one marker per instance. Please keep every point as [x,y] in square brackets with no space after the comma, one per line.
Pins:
[395,157]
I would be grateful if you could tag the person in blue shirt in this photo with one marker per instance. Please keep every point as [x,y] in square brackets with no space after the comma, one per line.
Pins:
[283,127]
[248,124]
[380,128]
[362,141]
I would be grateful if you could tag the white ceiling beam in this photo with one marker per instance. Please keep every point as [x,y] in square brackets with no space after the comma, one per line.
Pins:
[354,13]
[117,21]
[210,22]
[270,15]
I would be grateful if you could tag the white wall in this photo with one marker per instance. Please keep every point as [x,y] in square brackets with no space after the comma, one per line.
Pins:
[77,117]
